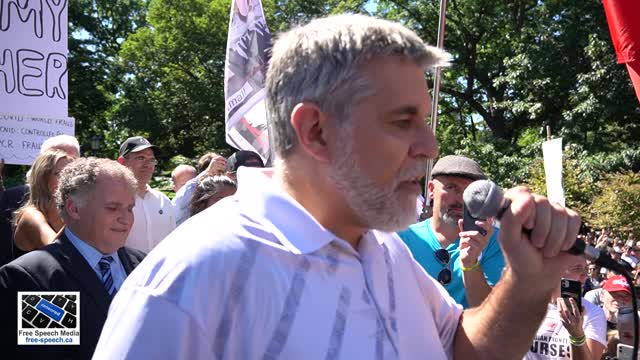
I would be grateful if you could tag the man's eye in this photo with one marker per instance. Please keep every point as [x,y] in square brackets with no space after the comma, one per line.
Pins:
[403,123]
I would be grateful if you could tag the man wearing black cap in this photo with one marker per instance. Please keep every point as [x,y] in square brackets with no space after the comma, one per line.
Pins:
[466,263]
[153,212]
[242,158]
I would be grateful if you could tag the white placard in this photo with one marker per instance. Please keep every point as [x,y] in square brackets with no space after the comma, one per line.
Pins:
[552,153]
[22,136]
[33,57]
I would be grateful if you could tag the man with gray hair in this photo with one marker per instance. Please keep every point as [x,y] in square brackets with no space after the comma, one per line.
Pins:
[95,198]
[303,262]
[66,143]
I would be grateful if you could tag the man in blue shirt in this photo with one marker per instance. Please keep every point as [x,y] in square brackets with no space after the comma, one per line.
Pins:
[466,263]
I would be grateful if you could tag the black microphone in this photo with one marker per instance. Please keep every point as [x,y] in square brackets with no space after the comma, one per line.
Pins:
[484,199]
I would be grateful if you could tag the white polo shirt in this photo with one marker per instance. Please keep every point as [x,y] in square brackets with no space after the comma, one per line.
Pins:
[257,277]
[154,219]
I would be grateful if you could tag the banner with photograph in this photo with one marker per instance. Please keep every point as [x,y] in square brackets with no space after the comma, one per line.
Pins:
[244,78]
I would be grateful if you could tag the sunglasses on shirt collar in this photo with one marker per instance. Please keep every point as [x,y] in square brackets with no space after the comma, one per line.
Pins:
[443,257]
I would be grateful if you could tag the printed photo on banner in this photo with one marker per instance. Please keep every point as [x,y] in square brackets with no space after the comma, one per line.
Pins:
[245,73]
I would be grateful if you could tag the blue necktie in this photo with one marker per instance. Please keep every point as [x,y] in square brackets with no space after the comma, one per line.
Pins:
[107,279]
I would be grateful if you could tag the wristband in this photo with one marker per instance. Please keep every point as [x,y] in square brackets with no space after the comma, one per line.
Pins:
[471,268]
[578,341]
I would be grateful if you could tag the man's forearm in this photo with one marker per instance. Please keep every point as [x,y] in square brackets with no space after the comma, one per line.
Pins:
[476,288]
[580,353]
[503,327]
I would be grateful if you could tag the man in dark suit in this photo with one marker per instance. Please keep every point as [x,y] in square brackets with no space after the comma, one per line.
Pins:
[95,198]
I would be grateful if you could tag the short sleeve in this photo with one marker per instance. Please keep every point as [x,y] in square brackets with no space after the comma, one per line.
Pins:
[595,323]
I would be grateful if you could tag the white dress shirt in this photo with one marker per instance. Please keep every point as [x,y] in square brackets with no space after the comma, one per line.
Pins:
[257,277]
[154,219]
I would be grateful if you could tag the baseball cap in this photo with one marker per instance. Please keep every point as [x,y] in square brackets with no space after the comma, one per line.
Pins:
[243,158]
[617,283]
[135,144]
[456,165]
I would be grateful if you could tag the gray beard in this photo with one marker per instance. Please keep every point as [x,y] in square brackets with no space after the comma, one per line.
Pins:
[377,208]
[449,220]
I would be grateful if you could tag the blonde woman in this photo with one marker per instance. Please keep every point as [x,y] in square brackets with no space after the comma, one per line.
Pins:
[37,222]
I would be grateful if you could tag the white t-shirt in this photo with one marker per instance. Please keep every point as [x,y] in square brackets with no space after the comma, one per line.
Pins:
[257,277]
[632,260]
[154,219]
[595,297]
[552,339]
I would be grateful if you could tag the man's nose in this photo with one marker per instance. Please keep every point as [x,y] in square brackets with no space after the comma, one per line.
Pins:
[425,144]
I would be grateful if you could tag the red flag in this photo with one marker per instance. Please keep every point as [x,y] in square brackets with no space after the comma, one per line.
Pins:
[623,17]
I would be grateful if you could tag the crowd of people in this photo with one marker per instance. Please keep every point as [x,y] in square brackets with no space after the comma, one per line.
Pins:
[321,256]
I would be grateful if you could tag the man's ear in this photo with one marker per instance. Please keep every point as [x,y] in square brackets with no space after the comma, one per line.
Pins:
[73,211]
[310,125]
[121,160]
[430,187]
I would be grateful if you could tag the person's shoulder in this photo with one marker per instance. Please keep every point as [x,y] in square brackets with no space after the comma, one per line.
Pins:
[416,229]
[31,216]
[158,194]
[37,260]
[593,295]
[215,238]
[590,307]
[204,256]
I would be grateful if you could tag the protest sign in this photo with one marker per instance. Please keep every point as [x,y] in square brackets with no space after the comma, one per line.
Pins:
[33,76]
[22,136]
[33,57]
[552,154]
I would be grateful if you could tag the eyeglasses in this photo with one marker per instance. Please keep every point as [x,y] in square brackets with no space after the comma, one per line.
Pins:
[443,257]
[142,159]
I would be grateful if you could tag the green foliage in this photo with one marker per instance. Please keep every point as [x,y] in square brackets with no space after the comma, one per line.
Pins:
[163,184]
[14,177]
[523,64]
[617,205]
[174,89]
[97,29]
